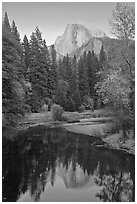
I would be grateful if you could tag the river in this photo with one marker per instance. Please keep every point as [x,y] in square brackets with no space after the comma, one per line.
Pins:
[52,164]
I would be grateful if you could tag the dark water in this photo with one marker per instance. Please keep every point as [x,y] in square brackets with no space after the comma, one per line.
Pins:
[54,165]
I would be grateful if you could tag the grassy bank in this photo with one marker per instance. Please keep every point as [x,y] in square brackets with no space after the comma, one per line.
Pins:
[97,123]
[67,117]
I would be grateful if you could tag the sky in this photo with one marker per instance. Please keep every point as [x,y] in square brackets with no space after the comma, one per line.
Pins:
[53,17]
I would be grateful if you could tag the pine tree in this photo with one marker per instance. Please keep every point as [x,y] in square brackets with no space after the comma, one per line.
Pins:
[83,77]
[26,71]
[23,69]
[59,69]
[38,70]
[77,99]
[12,92]
[93,67]
[73,76]
[104,69]
[6,23]
[15,31]
[16,36]
[70,105]
[26,54]
[61,93]
[52,75]
[62,68]
[102,56]
[68,69]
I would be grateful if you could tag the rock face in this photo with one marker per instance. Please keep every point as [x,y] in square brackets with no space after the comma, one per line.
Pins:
[77,38]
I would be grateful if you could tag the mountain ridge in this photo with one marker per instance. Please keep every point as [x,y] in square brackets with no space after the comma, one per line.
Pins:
[77,36]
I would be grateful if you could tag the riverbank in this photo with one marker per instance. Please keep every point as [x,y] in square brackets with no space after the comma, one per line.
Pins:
[100,130]
[97,123]
[67,117]
[115,141]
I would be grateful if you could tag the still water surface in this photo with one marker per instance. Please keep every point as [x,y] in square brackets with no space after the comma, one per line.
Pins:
[55,165]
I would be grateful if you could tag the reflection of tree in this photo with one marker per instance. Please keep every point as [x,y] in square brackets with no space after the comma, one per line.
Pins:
[42,164]
[11,175]
[53,171]
[36,163]
[115,186]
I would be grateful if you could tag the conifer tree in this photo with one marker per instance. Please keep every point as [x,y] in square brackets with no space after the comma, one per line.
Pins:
[59,69]
[77,99]
[12,92]
[102,56]
[15,31]
[93,66]
[23,69]
[83,77]
[68,69]
[62,68]
[38,70]
[26,54]
[6,23]
[70,105]
[73,75]
[16,36]
[52,75]
[61,93]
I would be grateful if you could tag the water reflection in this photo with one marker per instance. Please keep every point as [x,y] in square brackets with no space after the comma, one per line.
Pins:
[41,157]
[116,186]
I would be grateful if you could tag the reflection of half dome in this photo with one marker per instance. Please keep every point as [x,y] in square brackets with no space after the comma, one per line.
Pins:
[75,179]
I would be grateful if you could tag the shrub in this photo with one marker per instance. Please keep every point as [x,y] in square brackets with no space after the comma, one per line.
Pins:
[88,103]
[44,108]
[81,108]
[124,123]
[48,101]
[87,107]
[56,112]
